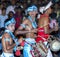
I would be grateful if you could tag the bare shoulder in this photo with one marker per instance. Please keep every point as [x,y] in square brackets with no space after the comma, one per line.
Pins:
[25,21]
[45,19]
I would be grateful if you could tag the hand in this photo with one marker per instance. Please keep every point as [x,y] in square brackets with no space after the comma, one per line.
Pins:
[19,48]
[20,40]
[34,30]
[56,27]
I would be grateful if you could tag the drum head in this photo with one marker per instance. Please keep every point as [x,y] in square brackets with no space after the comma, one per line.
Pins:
[55,45]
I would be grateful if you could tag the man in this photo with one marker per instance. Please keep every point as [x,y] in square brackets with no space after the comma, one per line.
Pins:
[30,26]
[8,38]
[43,23]
[3,17]
[43,26]
[18,17]
[11,7]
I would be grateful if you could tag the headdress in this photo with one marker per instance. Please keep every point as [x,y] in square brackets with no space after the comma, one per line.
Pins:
[10,22]
[31,8]
[44,8]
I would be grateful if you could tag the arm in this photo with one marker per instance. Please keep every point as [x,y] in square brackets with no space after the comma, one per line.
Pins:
[8,42]
[21,27]
[25,31]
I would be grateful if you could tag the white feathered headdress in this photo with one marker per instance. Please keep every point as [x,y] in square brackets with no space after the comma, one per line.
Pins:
[44,8]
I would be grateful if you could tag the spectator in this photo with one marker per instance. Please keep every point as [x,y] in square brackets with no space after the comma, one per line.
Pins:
[1,6]
[10,14]
[0,10]
[18,17]
[58,19]
[53,20]
[4,3]
[11,7]
[3,17]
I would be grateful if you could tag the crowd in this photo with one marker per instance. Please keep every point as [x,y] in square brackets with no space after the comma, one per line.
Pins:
[27,27]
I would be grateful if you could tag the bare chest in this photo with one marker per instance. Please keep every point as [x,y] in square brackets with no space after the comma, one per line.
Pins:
[41,22]
[29,26]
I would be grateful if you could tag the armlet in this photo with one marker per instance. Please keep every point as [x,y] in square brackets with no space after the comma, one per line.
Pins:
[23,25]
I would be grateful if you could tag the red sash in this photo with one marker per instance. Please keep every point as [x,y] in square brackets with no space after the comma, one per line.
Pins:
[41,35]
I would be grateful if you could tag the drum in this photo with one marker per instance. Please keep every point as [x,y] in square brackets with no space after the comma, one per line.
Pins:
[38,49]
[42,49]
[55,45]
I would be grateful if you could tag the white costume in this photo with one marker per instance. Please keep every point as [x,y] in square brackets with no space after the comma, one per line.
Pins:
[27,47]
[7,55]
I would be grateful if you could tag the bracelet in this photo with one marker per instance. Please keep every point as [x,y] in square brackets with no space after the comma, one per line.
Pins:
[16,40]
[17,43]
[14,49]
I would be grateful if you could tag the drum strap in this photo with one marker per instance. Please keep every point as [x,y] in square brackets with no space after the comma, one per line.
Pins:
[34,24]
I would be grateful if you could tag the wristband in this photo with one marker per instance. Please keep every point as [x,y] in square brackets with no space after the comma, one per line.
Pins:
[17,43]
[15,48]
[16,40]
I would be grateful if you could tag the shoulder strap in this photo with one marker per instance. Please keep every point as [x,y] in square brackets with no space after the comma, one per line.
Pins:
[35,50]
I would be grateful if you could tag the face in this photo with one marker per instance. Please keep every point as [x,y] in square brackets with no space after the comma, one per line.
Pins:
[19,11]
[11,14]
[49,10]
[4,12]
[13,2]
[1,6]
[11,27]
[32,13]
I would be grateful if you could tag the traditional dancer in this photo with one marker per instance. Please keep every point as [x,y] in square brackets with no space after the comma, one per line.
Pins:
[8,38]
[30,26]
[43,26]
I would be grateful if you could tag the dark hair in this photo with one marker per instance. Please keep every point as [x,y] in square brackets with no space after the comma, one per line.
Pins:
[53,15]
[3,9]
[9,13]
[18,8]
[30,5]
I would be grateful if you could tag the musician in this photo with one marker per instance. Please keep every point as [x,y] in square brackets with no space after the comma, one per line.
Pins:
[43,25]
[29,25]
[54,24]
[8,38]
